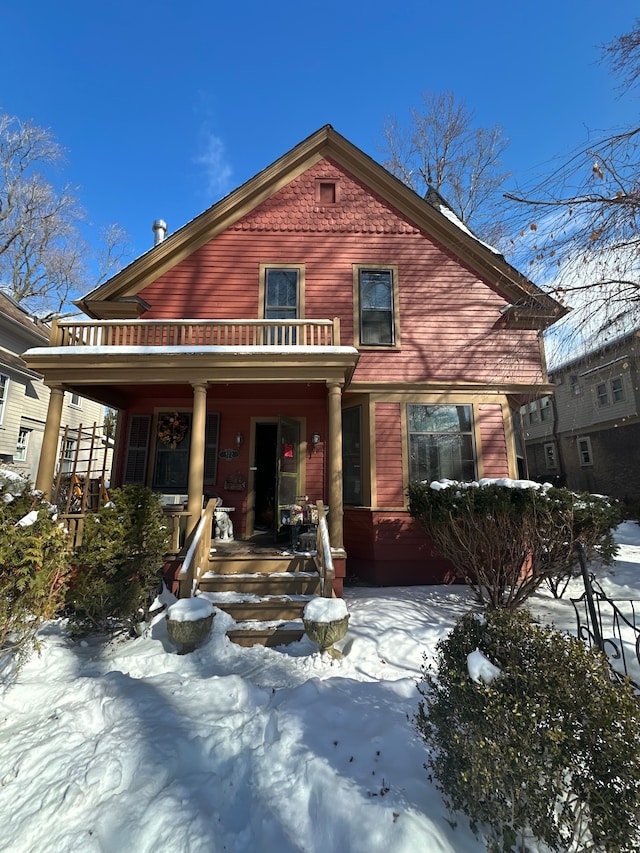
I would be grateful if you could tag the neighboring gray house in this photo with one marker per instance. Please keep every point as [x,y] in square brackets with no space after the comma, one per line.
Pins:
[24,399]
[588,434]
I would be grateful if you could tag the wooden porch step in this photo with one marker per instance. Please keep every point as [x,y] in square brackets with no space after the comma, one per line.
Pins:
[287,583]
[265,609]
[268,635]
[231,564]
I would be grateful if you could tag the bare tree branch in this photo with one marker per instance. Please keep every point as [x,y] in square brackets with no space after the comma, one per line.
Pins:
[441,148]
[44,261]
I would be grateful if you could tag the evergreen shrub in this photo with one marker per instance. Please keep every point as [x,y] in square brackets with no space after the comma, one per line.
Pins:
[548,750]
[34,567]
[505,540]
[119,563]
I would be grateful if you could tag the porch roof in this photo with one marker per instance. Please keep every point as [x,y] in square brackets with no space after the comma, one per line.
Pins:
[94,367]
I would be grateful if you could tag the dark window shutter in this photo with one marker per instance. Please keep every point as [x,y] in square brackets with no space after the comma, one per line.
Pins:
[137,449]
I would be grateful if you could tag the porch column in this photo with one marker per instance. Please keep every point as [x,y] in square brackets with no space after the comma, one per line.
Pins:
[196,456]
[335,466]
[47,463]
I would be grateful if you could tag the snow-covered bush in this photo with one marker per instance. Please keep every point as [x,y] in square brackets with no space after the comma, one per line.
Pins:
[507,537]
[529,737]
[118,566]
[34,565]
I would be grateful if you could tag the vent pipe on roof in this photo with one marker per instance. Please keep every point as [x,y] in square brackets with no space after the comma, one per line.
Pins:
[159,229]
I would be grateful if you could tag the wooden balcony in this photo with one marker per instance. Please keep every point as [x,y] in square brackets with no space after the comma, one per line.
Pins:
[195,333]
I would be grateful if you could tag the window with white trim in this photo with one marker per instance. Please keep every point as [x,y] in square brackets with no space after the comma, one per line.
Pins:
[440,442]
[584,452]
[576,387]
[76,401]
[550,456]
[545,409]
[22,445]
[68,455]
[602,395]
[617,389]
[4,393]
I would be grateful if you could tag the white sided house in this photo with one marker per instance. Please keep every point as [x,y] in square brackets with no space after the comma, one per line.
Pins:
[24,400]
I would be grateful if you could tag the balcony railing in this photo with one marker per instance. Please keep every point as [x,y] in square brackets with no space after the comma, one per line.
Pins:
[195,333]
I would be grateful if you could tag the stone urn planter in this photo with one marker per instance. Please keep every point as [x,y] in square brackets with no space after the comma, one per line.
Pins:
[189,622]
[325,622]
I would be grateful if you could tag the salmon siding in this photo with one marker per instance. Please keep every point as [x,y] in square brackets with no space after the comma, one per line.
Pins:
[448,316]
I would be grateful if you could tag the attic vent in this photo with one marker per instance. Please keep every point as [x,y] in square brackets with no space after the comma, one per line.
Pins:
[326,192]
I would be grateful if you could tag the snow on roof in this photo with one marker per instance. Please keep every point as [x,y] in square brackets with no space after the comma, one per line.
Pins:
[193,350]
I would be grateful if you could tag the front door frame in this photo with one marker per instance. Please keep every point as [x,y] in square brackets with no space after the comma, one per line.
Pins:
[302,462]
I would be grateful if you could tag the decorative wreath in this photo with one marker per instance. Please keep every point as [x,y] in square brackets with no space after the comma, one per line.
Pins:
[171,429]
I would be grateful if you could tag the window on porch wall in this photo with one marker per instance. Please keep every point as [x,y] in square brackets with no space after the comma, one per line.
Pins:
[171,464]
[352,455]
[440,443]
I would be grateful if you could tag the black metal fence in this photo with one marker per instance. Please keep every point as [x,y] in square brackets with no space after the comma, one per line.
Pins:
[611,625]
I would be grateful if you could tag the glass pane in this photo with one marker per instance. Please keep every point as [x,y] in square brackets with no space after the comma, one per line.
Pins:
[375,289]
[439,418]
[281,289]
[376,327]
[352,456]
[434,457]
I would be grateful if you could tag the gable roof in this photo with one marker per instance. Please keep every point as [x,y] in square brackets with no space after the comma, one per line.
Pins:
[118,297]
[12,315]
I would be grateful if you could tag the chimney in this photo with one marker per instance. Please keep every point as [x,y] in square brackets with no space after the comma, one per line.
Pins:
[159,229]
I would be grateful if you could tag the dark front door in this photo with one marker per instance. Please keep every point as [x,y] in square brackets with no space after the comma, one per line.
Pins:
[265,476]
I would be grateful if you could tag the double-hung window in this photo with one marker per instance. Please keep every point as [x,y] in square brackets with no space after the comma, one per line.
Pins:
[22,445]
[584,452]
[376,305]
[282,297]
[617,389]
[4,393]
[440,442]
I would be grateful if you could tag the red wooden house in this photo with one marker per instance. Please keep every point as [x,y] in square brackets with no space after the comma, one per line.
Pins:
[321,331]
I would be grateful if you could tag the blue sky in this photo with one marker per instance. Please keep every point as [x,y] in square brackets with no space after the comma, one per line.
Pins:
[164,107]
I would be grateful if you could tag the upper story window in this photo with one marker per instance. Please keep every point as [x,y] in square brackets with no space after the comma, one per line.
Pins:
[576,387]
[545,409]
[610,392]
[281,298]
[533,413]
[440,443]
[281,294]
[375,301]
[4,393]
[76,401]
[602,394]
[617,390]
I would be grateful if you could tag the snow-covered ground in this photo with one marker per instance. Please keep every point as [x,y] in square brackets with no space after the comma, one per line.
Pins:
[131,747]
